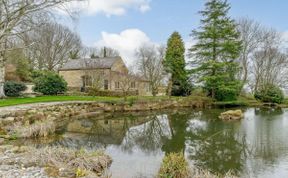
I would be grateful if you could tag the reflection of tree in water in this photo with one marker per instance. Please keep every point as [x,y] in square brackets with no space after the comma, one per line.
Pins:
[268,111]
[148,137]
[162,131]
[207,141]
[95,133]
[178,125]
[219,153]
[268,137]
[216,147]
[80,141]
[129,131]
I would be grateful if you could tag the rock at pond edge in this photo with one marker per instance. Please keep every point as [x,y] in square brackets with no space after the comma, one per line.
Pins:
[232,115]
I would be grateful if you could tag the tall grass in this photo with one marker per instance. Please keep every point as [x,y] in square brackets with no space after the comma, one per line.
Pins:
[95,161]
[37,129]
[174,165]
[59,161]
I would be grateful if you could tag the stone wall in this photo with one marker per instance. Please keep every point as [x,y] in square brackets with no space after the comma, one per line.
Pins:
[118,93]
[75,81]
[74,77]
[119,66]
[79,108]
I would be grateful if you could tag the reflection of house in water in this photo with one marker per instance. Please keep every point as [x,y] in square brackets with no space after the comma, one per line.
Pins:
[145,131]
[256,145]
[102,131]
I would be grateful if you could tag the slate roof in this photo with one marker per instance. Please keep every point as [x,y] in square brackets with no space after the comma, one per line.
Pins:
[135,77]
[85,63]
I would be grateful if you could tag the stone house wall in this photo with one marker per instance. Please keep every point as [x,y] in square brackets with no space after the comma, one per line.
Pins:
[119,66]
[118,71]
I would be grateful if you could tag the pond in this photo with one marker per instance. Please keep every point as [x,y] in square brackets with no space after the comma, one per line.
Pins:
[256,146]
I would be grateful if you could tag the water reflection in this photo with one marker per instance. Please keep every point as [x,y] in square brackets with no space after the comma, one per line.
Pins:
[267,133]
[149,137]
[257,146]
[268,111]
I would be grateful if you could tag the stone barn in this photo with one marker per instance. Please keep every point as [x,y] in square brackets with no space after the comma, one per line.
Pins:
[105,74]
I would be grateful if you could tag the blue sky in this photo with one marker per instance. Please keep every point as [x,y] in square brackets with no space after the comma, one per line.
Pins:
[166,16]
[155,20]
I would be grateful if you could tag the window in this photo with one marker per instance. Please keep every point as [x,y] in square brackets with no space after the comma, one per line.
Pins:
[147,86]
[117,85]
[133,85]
[106,84]
[87,81]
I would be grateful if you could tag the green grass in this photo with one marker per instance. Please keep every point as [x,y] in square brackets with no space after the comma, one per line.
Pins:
[230,104]
[241,101]
[285,101]
[43,99]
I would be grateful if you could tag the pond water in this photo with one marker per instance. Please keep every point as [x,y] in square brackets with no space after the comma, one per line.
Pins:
[256,146]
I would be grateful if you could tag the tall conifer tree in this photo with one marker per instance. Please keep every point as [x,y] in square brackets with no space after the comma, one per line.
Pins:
[174,64]
[217,48]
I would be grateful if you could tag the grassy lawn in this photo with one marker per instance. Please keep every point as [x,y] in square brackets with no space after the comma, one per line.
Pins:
[241,101]
[42,99]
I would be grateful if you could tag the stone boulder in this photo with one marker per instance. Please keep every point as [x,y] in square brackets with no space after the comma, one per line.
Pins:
[232,115]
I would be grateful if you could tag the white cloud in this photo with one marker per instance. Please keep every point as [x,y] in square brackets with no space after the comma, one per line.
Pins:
[126,42]
[129,40]
[110,7]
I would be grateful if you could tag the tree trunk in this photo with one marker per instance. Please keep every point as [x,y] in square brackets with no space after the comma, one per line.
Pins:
[2,77]
[213,93]
[154,90]
[213,69]
[245,73]
[125,95]
[169,89]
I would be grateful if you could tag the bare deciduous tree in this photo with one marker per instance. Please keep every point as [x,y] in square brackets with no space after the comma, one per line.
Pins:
[263,59]
[52,45]
[13,15]
[126,83]
[150,59]
[269,61]
[108,52]
[96,52]
[250,34]
[269,67]
[93,78]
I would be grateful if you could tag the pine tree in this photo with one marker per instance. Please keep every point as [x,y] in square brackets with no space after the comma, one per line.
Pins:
[218,46]
[174,64]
